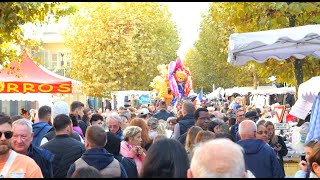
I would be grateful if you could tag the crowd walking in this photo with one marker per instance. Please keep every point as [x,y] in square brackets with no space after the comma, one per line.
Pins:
[148,142]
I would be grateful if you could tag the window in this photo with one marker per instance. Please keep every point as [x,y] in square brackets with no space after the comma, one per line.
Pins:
[54,60]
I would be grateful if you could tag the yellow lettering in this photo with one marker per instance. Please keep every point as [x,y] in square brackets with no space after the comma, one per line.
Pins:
[40,88]
[28,87]
[2,86]
[64,88]
[13,87]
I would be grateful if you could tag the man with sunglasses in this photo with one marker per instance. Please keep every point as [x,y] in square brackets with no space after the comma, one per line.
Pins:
[12,164]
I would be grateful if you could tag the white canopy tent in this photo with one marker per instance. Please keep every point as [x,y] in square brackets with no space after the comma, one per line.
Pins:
[307,93]
[279,44]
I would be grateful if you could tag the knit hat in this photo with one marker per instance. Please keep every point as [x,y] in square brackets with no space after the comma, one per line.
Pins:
[60,107]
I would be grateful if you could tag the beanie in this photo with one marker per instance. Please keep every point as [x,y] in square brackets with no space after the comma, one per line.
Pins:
[60,107]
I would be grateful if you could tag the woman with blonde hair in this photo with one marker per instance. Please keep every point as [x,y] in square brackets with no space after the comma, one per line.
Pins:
[146,141]
[277,143]
[204,136]
[131,145]
[190,139]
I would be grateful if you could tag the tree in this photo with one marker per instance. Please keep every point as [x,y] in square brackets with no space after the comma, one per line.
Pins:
[118,47]
[15,14]
[257,16]
[208,60]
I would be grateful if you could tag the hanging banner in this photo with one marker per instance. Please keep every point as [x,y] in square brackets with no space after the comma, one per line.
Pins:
[30,87]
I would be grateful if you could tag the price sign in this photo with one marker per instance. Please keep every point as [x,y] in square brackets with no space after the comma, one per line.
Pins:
[281,126]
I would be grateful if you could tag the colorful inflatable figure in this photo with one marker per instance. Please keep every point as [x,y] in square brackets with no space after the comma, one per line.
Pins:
[173,83]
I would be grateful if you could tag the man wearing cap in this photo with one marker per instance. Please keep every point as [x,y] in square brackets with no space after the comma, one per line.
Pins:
[144,113]
[252,115]
[58,108]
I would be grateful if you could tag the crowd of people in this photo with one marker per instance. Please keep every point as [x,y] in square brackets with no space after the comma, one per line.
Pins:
[152,141]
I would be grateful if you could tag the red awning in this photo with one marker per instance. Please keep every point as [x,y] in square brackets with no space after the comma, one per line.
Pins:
[31,79]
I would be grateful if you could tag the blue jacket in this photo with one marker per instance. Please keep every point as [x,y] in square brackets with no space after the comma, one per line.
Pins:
[39,130]
[234,132]
[119,134]
[163,114]
[43,158]
[99,158]
[261,159]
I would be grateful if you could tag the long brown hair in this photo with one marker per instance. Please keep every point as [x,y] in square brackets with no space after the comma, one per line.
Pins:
[274,138]
[191,136]
[145,130]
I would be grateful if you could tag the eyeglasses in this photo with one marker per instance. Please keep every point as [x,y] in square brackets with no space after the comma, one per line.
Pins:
[113,126]
[241,115]
[262,132]
[7,134]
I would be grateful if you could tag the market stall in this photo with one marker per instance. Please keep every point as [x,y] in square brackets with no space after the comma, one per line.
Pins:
[279,44]
[29,82]
[307,93]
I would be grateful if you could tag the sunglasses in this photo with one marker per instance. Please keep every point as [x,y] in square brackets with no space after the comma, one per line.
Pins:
[262,132]
[7,134]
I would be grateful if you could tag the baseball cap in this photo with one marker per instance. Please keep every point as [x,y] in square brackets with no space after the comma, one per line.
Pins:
[143,111]
[251,114]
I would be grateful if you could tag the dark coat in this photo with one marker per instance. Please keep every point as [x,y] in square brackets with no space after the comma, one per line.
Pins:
[261,159]
[43,158]
[129,165]
[163,114]
[234,132]
[98,158]
[39,130]
[66,150]
[185,123]
[283,151]
[51,134]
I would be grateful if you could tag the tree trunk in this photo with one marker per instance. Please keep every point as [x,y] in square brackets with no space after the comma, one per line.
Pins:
[255,80]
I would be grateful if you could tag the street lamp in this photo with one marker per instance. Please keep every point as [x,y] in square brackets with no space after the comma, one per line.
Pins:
[62,63]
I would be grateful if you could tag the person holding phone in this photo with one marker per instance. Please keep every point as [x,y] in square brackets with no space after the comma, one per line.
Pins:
[277,143]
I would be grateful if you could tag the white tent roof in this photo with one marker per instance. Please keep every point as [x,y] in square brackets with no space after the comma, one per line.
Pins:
[309,89]
[307,93]
[279,44]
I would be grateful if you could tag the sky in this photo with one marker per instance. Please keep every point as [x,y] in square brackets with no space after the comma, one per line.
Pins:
[187,15]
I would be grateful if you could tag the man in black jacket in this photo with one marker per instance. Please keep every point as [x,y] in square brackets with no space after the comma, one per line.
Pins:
[202,120]
[187,120]
[163,113]
[65,148]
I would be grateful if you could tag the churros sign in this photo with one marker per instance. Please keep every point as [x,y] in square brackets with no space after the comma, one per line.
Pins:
[30,87]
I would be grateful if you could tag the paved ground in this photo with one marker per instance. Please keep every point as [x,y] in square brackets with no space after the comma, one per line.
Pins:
[291,168]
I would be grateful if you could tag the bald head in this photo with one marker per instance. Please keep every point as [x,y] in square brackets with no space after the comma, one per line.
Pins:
[211,161]
[247,129]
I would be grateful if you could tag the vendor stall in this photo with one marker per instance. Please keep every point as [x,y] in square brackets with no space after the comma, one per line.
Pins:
[28,82]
